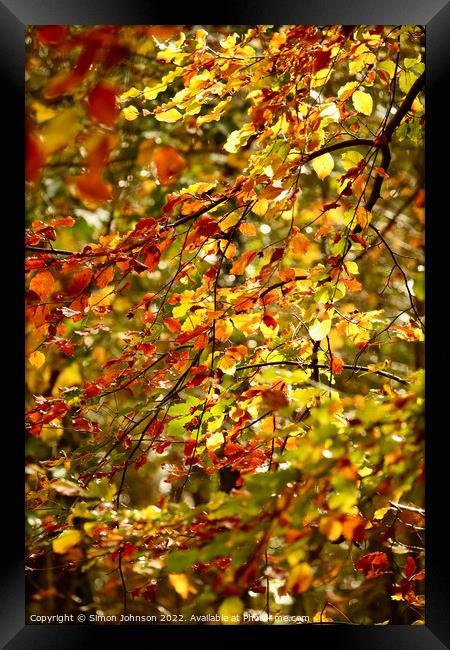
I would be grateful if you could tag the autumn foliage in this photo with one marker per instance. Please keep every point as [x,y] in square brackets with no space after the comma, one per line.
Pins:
[224,307]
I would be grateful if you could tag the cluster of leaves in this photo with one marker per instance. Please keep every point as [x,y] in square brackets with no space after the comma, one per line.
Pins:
[224,322]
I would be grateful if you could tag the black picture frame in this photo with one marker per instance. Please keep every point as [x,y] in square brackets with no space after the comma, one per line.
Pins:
[435,16]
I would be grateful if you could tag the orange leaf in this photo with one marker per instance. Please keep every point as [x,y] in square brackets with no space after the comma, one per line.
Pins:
[167,164]
[64,222]
[299,243]
[43,284]
[105,277]
[92,187]
[337,365]
[247,229]
[352,284]
[172,324]
[300,579]
[241,264]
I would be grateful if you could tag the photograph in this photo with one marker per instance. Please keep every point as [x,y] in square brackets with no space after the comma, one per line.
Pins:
[224,324]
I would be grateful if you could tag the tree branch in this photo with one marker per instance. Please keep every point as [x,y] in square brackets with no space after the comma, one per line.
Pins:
[404,107]
[346,366]
[50,251]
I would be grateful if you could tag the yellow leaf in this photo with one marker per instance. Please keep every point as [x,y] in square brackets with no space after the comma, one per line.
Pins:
[300,578]
[52,432]
[319,329]
[37,359]
[42,113]
[379,514]
[260,208]
[417,107]
[214,115]
[352,267]
[133,92]
[362,102]
[231,610]
[269,333]
[331,528]
[172,115]
[61,130]
[319,78]
[363,217]
[66,540]
[238,138]
[347,90]
[232,144]
[130,113]
[180,582]
[323,165]
[227,365]
[223,329]
[198,188]
[151,93]
[247,323]
[350,159]
[320,617]
[215,440]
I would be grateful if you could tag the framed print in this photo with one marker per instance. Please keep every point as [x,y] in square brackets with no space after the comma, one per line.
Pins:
[228,423]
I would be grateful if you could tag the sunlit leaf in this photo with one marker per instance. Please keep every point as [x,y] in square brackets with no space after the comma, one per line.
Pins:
[170,115]
[323,165]
[320,329]
[362,102]
[66,541]
[37,359]
[130,113]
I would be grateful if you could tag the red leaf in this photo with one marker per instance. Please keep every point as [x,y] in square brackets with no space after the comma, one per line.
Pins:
[269,321]
[64,84]
[102,104]
[187,336]
[373,564]
[322,60]
[79,282]
[152,255]
[277,254]
[51,34]
[410,567]
[35,157]
[125,551]
[149,593]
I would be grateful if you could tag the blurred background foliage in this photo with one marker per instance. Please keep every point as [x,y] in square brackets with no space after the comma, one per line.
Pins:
[356,452]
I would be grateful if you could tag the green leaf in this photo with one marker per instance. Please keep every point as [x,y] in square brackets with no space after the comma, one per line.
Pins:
[350,159]
[406,79]
[180,561]
[266,485]
[387,66]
